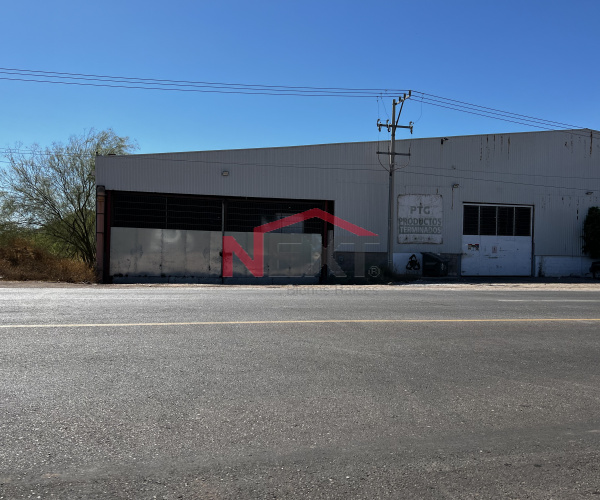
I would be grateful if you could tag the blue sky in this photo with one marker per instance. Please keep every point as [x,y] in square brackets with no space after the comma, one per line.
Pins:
[536,58]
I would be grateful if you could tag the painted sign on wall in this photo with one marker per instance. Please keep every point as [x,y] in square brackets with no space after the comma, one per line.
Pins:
[420,218]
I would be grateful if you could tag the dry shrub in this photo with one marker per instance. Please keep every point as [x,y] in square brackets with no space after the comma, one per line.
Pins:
[22,260]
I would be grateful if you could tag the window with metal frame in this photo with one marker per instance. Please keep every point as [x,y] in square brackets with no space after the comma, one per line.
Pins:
[496,220]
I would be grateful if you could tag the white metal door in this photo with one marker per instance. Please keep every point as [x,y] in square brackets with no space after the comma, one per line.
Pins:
[497,240]
[496,255]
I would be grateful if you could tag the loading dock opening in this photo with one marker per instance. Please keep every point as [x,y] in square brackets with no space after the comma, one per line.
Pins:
[170,237]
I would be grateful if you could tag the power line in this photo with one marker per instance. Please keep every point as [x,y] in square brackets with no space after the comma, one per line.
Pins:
[324,166]
[81,79]
[495,172]
[141,87]
[170,85]
[154,80]
[378,170]
[468,105]
[562,186]
[319,166]
[507,117]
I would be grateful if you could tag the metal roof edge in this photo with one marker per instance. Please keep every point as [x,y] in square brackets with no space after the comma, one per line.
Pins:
[302,146]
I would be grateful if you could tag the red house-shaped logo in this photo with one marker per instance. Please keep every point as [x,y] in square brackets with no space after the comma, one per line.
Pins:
[256,265]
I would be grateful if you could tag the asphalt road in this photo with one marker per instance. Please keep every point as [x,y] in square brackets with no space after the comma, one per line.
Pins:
[304,392]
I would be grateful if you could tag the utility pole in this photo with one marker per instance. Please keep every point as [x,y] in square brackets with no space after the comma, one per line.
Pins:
[391,127]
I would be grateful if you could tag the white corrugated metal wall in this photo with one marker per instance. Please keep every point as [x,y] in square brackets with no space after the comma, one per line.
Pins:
[550,171]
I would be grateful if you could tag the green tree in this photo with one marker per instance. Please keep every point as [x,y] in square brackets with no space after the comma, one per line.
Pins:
[52,190]
[591,233]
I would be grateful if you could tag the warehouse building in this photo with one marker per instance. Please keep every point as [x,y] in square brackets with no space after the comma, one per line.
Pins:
[487,205]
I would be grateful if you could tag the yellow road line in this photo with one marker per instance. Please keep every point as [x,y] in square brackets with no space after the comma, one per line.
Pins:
[307,321]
